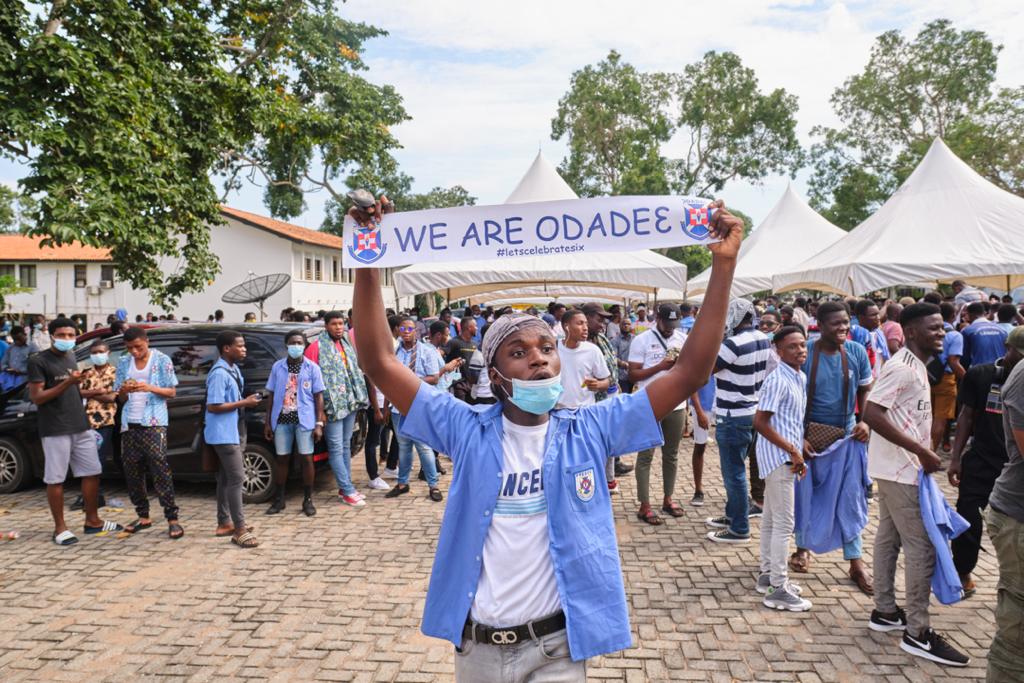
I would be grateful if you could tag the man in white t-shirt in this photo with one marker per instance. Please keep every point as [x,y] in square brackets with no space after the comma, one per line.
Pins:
[651,355]
[584,371]
[899,413]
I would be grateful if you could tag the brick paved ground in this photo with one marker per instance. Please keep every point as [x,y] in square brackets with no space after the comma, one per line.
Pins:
[339,597]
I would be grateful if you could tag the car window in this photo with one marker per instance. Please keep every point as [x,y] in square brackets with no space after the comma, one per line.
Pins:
[258,355]
[192,359]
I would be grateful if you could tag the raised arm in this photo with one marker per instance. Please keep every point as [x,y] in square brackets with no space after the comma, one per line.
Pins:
[375,346]
[697,358]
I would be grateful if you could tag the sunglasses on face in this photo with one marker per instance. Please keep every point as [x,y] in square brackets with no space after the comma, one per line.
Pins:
[406,329]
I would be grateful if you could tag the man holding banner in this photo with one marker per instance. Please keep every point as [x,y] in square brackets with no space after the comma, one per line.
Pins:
[526,581]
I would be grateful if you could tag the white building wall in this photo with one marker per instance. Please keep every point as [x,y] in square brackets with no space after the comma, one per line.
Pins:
[241,249]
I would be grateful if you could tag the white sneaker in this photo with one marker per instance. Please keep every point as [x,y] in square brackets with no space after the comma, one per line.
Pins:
[389,474]
[380,485]
[353,500]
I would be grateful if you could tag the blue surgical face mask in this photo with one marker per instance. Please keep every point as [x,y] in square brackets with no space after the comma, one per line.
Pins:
[295,350]
[64,345]
[537,396]
[37,326]
[98,358]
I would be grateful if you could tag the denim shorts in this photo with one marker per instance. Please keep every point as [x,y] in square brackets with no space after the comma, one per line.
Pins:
[288,434]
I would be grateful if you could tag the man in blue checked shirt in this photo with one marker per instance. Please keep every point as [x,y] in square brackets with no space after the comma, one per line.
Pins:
[780,422]
[526,581]
[423,360]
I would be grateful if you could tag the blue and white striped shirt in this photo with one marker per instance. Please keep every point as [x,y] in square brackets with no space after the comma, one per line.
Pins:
[784,395]
[739,372]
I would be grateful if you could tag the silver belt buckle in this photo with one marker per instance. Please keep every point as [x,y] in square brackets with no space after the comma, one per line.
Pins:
[504,637]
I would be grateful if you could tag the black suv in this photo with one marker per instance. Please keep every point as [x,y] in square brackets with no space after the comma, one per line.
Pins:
[193,350]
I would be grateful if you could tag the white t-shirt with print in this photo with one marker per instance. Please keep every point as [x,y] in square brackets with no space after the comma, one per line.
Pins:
[517,581]
[136,405]
[583,362]
[902,388]
[648,350]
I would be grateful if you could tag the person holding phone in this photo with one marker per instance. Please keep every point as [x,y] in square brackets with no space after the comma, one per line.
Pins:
[225,432]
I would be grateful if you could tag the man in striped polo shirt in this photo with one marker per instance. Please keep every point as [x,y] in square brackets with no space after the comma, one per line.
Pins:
[780,423]
[739,372]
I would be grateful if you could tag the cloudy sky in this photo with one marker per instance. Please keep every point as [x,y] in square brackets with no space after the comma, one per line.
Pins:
[482,80]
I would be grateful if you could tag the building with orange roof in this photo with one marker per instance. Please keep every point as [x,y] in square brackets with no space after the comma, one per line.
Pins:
[76,279]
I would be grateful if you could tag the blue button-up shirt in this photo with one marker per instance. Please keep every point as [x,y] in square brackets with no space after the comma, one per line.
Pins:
[428,360]
[222,387]
[580,524]
[311,382]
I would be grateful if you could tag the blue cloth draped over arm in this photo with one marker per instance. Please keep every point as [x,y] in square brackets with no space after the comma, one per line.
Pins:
[830,505]
[943,524]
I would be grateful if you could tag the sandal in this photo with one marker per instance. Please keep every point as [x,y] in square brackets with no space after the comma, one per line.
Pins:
[138,525]
[673,509]
[435,495]
[65,538]
[800,561]
[104,528]
[246,540]
[231,531]
[175,530]
[651,518]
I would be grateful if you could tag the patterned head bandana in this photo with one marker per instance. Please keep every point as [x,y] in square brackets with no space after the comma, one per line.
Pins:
[738,310]
[503,327]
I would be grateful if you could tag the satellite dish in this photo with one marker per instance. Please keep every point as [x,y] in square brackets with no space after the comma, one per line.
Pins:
[256,290]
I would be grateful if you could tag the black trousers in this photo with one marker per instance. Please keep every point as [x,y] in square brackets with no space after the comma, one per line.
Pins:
[756,482]
[978,475]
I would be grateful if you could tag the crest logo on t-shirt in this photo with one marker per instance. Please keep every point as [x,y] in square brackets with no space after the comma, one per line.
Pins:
[585,484]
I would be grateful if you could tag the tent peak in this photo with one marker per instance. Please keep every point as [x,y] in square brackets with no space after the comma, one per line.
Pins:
[541,183]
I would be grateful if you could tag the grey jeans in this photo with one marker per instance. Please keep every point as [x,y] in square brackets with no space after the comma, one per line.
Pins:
[531,661]
[777,523]
[230,478]
[899,524]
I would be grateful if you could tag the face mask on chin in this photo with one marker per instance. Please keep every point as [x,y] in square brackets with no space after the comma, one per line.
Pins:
[536,396]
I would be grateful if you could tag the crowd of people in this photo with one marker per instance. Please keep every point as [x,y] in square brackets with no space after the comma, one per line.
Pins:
[793,389]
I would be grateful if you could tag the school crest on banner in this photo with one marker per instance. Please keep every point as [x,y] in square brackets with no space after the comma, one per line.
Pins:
[367,244]
[585,484]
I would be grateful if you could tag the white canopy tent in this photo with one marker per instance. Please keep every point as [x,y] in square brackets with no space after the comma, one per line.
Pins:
[560,293]
[945,222]
[789,234]
[541,302]
[645,272]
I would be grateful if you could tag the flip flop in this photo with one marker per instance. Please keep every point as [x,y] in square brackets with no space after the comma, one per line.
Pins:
[651,518]
[175,531]
[230,532]
[137,525]
[65,538]
[246,540]
[800,561]
[105,528]
[673,509]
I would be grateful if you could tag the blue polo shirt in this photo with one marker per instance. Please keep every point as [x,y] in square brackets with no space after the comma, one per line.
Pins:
[311,382]
[223,385]
[584,551]
[984,342]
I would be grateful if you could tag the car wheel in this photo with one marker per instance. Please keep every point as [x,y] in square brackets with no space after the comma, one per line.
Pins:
[258,485]
[14,467]
[359,431]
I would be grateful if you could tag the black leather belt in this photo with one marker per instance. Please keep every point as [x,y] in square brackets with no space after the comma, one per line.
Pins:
[514,634]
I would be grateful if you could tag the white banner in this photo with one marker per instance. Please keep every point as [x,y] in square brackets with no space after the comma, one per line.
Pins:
[567,227]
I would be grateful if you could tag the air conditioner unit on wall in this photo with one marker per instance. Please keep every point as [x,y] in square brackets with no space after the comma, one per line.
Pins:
[106,284]
[92,290]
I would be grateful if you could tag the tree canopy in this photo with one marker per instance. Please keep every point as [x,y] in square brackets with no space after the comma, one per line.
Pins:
[618,119]
[940,83]
[122,110]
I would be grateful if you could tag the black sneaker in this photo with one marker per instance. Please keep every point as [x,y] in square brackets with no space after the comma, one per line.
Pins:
[755,510]
[727,536]
[276,507]
[397,490]
[622,469]
[79,504]
[888,622]
[308,507]
[931,645]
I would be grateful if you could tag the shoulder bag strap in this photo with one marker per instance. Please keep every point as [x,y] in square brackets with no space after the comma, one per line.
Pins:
[810,384]
[657,335]
[846,383]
